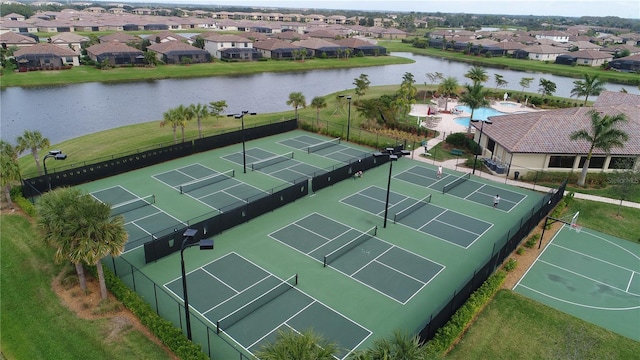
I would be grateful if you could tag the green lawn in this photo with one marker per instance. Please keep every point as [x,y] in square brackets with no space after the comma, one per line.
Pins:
[80,74]
[518,64]
[33,322]
[515,327]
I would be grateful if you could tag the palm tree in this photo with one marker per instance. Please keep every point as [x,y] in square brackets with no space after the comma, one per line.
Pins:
[184,115]
[81,229]
[318,103]
[475,97]
[448,87]
[500,81]
[9,169]
[296,99]
[398,346]
[170,118]
[590,85]
[290,345]
[603,135]
[200,111]
[477,75]
[34,141]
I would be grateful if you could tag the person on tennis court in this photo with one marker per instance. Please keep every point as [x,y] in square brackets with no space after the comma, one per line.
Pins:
[439,174]
[496,201]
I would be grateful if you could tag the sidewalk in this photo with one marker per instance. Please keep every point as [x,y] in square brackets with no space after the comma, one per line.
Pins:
[447,125]
[453,164]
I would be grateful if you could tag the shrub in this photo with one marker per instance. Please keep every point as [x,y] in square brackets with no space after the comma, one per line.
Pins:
[532,241]
[21,202]
[510,265]
[520,251]
[457,139]
[455,327]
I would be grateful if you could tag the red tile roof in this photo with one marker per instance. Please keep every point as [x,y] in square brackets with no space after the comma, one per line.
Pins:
[548,131]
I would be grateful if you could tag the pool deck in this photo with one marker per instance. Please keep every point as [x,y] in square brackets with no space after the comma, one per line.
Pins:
[447,124]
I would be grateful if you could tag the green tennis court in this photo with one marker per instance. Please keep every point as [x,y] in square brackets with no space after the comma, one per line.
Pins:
[250,304]
[143,220]
[444,224]
[332,149]
[590,275]
[376,280]
[219,190]
[281,166]
[463,187]
[388,269]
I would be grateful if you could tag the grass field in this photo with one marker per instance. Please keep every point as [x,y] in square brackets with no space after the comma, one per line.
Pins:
[81,74]
[33,322]
[518,64]
[515,327]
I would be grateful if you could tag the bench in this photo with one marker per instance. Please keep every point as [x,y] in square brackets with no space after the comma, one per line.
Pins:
[456,152]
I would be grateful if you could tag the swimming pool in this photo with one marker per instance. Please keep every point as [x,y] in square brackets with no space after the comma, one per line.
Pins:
[478,114]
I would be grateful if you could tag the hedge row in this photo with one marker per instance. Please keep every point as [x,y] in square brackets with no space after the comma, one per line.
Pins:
[447,335]
[171,336]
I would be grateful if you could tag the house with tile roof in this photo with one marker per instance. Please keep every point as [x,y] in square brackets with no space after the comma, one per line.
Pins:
[115,53]
[176,52]
[364,47]
[626,64]
[585,58]
[539,141]
[69,40]
[229,47]
[45,56]
[278,49]
[9,39]
[321,48]
[539,52]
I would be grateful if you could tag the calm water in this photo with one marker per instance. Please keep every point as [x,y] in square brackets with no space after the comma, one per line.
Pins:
[65,112]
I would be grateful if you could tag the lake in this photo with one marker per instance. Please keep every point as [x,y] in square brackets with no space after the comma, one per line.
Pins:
[65,112]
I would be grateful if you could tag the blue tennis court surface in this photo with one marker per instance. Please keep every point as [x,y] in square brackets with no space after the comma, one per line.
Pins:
[250,304]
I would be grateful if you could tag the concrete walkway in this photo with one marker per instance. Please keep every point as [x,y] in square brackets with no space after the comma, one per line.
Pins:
[447,125]
[454,164]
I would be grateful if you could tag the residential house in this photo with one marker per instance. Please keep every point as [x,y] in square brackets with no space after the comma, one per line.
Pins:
[20,27]
[553,35]
[177,52]
[626,64]
[359,46]
[539,52]
[72,41]
[14,17]
[166,36]
[321,48]
[279,49]
[539,141]
[115,53]
[229,47]
[120,37]
[45,57]
[9,39]
[584,57]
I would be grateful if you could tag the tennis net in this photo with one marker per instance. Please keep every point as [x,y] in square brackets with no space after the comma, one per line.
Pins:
[209,180]
[323,145]
[456,182]
[271,161]
[415,206]
[131,205]
[240,313]
[330,257]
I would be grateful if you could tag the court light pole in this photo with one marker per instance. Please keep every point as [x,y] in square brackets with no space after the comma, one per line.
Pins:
[479,139]
[348,113]
[393,155]
[244,153]
[56,155]
[205,244]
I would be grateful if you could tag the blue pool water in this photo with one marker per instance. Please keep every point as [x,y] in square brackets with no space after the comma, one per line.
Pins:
[479,114]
